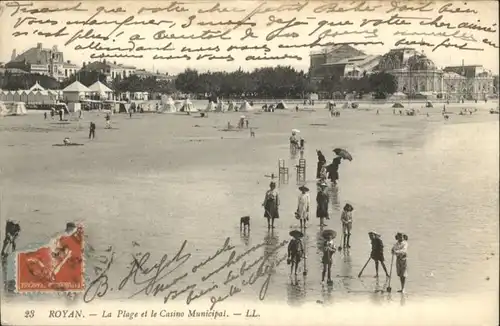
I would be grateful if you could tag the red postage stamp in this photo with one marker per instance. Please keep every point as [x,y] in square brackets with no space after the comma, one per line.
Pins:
[58,266]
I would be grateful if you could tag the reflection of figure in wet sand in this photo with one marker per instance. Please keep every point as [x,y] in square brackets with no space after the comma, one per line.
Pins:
[271,242]
[296,291]
[271,205]
[295,250]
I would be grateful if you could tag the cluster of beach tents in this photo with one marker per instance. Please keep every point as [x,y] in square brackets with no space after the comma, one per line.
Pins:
[168,105]
[12,108]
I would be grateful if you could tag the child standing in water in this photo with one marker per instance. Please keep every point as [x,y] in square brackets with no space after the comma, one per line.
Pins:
[328,251]
[346,219]
[295,251]
[304,202]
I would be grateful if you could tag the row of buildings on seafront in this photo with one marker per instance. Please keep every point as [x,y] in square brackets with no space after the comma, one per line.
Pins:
[50,62]
[415,73]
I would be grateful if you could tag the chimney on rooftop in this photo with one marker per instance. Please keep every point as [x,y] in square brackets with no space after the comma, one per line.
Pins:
[104,60]
[84,64]
[39,45]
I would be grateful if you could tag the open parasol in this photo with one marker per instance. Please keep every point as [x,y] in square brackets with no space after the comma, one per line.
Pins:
[296,234]
[327,233]
[296,130]
[343,153]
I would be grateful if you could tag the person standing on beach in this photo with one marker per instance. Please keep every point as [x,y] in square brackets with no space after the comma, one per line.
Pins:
[327,259]
[108,121]
[322,201]
[304,202]
[321,163]
[60,115]
[45,115]
[92,130]
[400,249]
[333,169]
[295,252]
[377,253]
[346,218]
[271,205]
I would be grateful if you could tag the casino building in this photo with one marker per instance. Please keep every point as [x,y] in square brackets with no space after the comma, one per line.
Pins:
[415,73]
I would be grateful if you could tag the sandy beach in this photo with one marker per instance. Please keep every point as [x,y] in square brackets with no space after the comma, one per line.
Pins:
[158,179]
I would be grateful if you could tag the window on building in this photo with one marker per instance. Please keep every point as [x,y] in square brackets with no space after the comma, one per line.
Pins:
[66,72]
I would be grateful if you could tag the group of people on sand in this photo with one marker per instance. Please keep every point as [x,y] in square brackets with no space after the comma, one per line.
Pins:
[297,143]
[399,250]
[272,203]
[324,171]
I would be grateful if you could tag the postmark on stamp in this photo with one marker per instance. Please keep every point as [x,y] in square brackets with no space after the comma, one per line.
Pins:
[57,266]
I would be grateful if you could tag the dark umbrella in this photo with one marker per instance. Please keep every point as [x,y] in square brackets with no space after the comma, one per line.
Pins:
[343,153]
[329,233]
[296,234]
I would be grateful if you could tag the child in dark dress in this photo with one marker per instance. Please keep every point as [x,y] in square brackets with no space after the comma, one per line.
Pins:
[377,253]
[295,252]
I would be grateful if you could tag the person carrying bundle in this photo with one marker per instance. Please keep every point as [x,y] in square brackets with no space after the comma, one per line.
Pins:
[400,249]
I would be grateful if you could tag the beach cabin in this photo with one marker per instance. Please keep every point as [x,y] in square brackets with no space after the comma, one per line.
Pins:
[73,94]
[101,91]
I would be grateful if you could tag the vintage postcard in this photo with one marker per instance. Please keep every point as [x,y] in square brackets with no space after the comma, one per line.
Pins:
[249,162]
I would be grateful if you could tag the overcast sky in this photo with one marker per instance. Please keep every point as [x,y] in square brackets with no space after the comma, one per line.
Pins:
[311,17]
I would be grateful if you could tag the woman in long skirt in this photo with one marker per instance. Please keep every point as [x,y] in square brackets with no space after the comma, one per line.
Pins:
[271,205]
[322,201]
[321,163]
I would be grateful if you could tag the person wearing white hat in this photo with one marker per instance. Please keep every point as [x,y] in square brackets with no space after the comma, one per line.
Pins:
[377,253]
[304,202]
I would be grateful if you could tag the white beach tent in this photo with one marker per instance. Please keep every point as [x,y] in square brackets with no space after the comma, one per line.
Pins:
[3,109]
[101,90]
[17,96]
[281,106]
[187,106]
[16,108]
[245,107]
[167,105]
[232,106]
[220,107]
[210,107]
[398,96]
